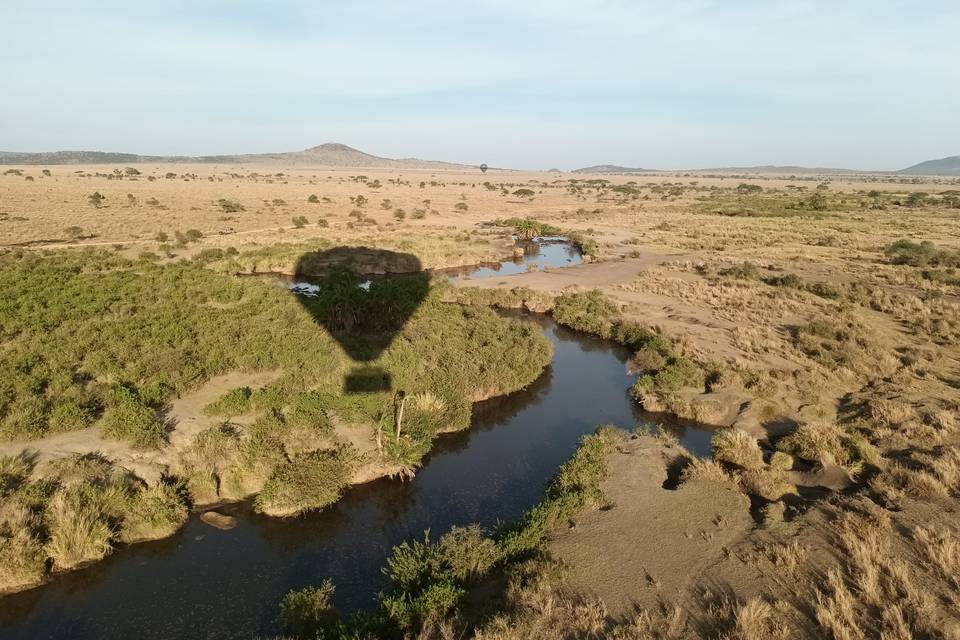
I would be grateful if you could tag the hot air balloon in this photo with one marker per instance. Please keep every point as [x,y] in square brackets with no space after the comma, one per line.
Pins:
[483,168]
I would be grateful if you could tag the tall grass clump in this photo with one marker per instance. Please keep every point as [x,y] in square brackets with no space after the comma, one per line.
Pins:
[76,515]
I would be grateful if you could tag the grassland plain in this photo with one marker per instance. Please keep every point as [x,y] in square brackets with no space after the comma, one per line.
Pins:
[813,318]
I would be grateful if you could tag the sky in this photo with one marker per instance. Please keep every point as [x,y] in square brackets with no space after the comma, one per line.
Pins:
[512,83]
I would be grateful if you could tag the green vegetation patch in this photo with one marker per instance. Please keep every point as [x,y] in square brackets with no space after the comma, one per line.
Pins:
[922,254]
[88,334]
[310,481]
[751,203]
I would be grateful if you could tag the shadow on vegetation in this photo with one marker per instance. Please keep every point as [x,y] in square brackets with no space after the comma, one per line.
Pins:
[363,297]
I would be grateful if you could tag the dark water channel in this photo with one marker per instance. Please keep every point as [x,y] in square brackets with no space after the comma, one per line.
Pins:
[208,583]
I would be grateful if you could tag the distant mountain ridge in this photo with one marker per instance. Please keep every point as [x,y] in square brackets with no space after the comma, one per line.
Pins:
[949,166]
[334,154]
[331,154]
[612,168]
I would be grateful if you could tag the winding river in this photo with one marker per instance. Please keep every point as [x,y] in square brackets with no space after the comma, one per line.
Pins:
[208,583]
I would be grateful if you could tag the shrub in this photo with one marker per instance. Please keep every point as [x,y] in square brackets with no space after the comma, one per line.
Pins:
[230,206]
[300,222]
[313,199]
[154,512]
[817,202]
[823,441]
[679,373]
[461,206]
[311,481]
[575,486]
[590,312]
[921,254]
[128,418]
[743,271]
[235,402]
[789,280]
[309,612]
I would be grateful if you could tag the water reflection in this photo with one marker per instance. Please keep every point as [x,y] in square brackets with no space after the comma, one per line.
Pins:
[545,252]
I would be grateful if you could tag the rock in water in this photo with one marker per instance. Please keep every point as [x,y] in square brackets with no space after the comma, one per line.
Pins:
[218,520]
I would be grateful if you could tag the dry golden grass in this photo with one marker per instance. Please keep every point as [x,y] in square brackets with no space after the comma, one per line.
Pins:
[737,447]
[860,331]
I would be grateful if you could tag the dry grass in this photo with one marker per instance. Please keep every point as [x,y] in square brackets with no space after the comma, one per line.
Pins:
[898,481]
[877,577]
[737,447]
[704,470]
[78,536]
[941,547]
[755,619]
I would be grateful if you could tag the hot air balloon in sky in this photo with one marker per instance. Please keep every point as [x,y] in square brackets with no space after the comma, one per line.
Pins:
[483,168]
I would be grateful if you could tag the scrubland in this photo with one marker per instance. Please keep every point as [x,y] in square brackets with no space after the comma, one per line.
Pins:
[812,320]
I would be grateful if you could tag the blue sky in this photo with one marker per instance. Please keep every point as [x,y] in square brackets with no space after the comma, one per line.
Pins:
[535,84]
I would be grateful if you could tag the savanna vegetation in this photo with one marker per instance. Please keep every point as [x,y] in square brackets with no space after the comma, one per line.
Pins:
[813,319]
[94,340]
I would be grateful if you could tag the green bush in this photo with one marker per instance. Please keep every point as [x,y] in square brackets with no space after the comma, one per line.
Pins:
[921,254]
[128,418]
[309,612]
[308,482]
[589,312]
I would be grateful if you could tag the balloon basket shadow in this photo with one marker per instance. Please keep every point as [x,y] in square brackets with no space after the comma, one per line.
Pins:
[367,380]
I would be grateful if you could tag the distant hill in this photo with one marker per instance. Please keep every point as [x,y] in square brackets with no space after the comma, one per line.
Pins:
[331,154]
[949,166]
[612,168]
[789,170]
[781,169]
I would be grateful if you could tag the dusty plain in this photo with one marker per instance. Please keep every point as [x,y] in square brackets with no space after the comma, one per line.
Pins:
[845,539]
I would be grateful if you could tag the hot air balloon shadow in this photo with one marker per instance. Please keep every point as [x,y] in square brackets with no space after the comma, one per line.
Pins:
[363,298]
